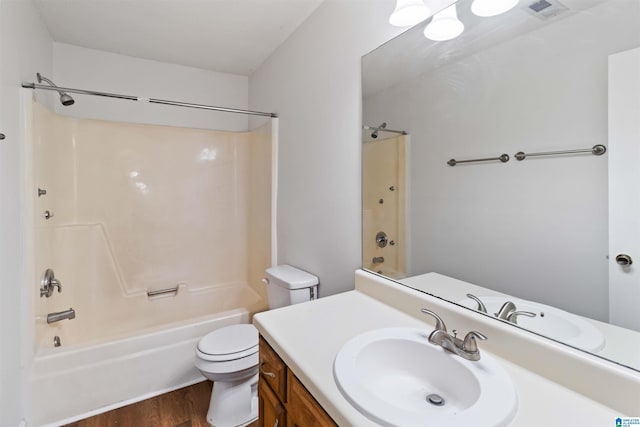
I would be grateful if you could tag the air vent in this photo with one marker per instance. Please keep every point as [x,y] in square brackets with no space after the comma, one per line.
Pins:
[539,6]
[546,9]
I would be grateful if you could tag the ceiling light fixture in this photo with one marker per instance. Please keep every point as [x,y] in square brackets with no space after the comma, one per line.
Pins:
[408,13]
[486,8]
[445,25]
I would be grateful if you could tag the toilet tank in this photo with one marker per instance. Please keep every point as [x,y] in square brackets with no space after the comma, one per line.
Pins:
[287,285]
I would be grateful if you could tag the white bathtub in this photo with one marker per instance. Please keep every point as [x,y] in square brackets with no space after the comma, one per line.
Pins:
[73,382]
[121,347]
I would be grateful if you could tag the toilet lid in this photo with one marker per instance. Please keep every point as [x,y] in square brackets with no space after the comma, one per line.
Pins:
[230,342]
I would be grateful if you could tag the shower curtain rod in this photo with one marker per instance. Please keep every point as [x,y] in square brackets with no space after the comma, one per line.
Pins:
[28,85]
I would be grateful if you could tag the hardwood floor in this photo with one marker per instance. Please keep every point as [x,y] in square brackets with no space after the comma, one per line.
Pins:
[186,407]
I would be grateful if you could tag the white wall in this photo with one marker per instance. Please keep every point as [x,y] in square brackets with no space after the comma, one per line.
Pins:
[536,229]
[313,82]
[82,68]
[25,48]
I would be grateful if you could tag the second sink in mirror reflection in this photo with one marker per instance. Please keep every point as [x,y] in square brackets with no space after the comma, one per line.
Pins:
[548,321]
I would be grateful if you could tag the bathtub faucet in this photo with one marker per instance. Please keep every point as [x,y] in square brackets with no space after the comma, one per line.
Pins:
[61,315]
[49,283]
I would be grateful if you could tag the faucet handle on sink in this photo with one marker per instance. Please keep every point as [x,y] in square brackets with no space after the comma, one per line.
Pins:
[513,317]
[440,326]
[481,307]
[470,343]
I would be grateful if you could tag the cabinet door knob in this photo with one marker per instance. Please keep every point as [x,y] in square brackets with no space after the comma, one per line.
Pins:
[263,372]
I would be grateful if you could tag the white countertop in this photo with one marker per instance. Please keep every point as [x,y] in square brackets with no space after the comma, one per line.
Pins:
[308,336]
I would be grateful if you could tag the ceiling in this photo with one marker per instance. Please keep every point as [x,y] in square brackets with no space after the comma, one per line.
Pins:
[231,36]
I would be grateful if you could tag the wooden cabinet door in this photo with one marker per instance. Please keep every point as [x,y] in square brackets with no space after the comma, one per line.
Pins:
[272,412]
[273,370]
[302,408]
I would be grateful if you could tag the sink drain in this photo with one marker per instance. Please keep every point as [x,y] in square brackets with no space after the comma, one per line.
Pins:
[435,399]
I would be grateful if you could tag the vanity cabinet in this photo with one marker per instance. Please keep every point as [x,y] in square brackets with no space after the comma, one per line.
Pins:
[283,400]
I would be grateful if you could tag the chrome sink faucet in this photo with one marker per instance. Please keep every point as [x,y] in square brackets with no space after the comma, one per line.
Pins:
[467,348]
[509,313]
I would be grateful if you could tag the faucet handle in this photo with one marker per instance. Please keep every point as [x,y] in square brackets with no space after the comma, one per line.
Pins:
[481,306]
[48,283]
[470,344]
[513,317]
[440,326]
[506,310]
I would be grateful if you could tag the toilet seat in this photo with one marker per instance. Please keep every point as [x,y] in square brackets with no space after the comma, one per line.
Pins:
[228,343]
[228,368]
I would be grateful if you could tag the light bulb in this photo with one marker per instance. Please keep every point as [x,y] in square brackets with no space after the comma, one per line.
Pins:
[408,13]
[485,8]
[445,25]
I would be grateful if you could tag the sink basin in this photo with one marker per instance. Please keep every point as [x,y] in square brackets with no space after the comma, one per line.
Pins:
[390,375]
[549,321]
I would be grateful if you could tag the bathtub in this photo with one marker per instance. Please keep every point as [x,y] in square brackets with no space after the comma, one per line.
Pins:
[75,381]
[122,346]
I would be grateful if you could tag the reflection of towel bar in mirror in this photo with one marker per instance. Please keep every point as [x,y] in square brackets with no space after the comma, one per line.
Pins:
[596,150]
[503,158]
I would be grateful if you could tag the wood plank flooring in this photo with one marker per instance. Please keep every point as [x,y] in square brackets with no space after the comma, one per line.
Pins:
[186,407]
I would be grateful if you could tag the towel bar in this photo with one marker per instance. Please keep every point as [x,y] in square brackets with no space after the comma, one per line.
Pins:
[503,158]
[163,291]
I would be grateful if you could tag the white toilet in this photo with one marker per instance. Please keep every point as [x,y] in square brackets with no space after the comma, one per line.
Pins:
[229,356]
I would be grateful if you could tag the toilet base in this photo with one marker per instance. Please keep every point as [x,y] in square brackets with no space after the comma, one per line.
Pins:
[234,404]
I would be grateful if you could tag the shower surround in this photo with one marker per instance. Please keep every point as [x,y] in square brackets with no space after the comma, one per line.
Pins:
[135,209]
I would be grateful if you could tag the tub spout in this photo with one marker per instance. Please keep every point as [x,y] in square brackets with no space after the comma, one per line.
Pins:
[61,315]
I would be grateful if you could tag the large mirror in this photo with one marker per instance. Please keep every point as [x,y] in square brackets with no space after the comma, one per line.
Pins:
[505,164]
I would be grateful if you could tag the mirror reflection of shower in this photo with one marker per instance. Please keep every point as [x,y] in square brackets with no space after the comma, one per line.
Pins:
[384,156]
[374,134]
[382,128]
